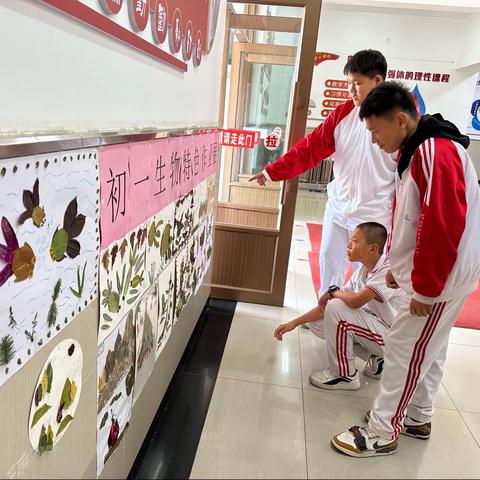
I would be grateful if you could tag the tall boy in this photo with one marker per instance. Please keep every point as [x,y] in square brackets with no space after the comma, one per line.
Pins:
[362,310]
[434,257]
[364,175]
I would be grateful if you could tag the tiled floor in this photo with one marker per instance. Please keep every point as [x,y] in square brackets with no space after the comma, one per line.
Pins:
[266,421]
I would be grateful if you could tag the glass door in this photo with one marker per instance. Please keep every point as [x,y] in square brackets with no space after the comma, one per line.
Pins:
[268,75]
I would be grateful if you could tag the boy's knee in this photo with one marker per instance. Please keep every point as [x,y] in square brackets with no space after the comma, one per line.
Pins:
[335,306]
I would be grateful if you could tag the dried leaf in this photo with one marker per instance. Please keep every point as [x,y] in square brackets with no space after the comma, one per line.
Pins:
[73,391]
[104,420]
[65,398]
[40,413]
[106,260]
[64,424]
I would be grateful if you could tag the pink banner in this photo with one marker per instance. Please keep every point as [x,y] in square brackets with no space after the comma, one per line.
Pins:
[164,192]
[140,179]
[141,182]
[114,193]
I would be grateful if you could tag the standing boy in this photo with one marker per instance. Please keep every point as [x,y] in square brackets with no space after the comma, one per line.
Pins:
[364,175]
[434,256]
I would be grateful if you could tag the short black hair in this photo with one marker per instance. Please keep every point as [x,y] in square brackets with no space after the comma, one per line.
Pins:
[368,63]
[374,233]
[387,98]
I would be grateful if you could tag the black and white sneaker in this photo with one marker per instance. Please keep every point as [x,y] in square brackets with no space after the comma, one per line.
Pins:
[374,367]
[328,381]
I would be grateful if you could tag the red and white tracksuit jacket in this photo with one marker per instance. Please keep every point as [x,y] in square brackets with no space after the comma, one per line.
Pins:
[435,257]
[435,241]
[364,175]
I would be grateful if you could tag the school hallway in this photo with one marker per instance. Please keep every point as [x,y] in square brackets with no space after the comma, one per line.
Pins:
[266,421]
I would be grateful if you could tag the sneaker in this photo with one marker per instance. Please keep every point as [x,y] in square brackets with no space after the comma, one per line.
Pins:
[362,442]
[412,428]
[326,380]
[373,367]
[415,429]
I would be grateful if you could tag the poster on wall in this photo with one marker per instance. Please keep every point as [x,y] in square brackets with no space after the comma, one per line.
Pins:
[183,226]
[211,189]
[146,321]
[184,263]
[160,241]
[116,378]
[148,212]
[427,80]
[123,278]
[200,203]
[166,300]
[56,396]
[49,249]
[473,126]
[203,251]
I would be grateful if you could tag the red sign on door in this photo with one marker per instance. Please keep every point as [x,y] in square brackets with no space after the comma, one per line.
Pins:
[239,138]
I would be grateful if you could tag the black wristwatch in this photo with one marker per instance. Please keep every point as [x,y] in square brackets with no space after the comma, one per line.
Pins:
[331,289]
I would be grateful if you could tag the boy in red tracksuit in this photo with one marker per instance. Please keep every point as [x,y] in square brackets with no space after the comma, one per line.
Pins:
[362,190]
[434,256]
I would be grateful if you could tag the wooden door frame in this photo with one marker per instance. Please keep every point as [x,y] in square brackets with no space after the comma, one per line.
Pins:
[298,122]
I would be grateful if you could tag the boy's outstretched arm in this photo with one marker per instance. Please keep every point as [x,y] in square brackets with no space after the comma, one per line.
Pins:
[307,153]
[315,313]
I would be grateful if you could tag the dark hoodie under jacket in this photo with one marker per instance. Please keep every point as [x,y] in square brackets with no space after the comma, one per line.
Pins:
[430,126]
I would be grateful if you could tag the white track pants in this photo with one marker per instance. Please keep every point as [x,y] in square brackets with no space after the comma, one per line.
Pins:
[333,253]
[414,355]
[344,324]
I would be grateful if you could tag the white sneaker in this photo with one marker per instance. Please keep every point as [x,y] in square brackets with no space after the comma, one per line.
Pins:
[326,380]
[362,442]
[374,367]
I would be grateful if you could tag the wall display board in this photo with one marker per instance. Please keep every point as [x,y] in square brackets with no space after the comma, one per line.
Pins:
[127,225]
[166,299]
[146,322]
[49,249]
[156,223]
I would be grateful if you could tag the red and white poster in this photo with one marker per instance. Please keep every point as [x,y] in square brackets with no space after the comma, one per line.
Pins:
[428,80]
